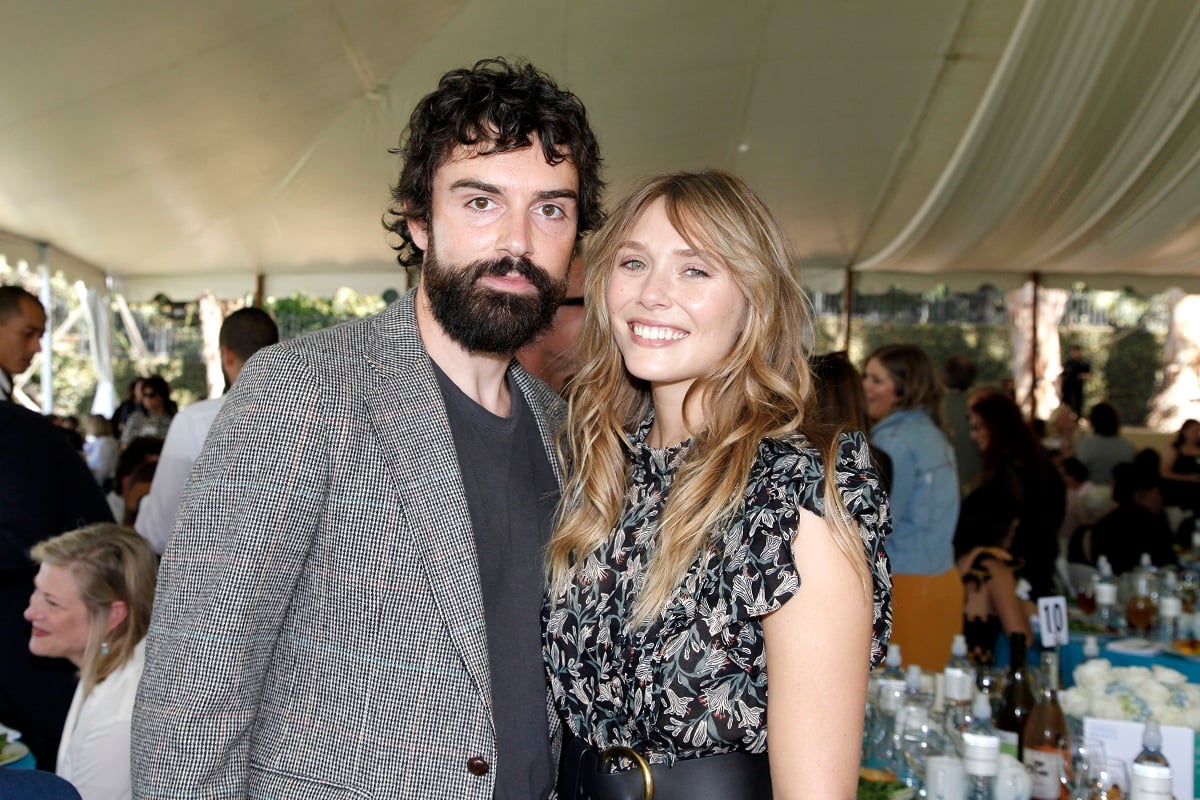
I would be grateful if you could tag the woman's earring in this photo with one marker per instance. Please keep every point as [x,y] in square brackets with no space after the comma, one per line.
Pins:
[104,648]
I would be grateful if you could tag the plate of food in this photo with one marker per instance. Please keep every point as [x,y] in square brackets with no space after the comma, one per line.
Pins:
[1185,648]
[13,751]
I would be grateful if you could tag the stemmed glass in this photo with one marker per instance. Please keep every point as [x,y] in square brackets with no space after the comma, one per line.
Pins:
[1114,780]
[1084,765]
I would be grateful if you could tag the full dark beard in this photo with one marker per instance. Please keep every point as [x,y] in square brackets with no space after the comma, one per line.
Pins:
[484,320]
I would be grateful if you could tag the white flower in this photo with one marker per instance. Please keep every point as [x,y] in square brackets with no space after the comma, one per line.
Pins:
[1093,674]
[1075,702]
[1132,693]
[1107,707]
[1167,676]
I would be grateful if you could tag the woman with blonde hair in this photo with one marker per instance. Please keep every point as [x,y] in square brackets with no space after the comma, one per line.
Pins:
[91,605]
[700,547]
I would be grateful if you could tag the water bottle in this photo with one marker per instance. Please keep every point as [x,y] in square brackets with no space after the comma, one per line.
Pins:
[891,682]
[916,735]
[1150,774]
[958,682]
[889,696]
[1170,608]
[981,752]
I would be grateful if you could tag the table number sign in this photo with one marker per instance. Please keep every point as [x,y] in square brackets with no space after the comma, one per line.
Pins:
[1052,619]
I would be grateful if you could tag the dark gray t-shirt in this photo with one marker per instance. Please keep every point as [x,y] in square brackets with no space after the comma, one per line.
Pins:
[511,494]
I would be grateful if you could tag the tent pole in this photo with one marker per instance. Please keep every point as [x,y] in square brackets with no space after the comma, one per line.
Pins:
[847,308]
[1036,279]
[260,289]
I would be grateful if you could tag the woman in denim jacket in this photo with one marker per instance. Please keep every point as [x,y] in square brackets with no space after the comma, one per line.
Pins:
[903,398]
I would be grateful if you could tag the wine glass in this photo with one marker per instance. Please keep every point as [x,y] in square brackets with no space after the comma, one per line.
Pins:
[1114,780]
[1084,762]
[990,681]
[1085,597]
[1141,613]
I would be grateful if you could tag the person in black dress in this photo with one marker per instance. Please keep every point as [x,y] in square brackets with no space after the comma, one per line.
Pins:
[1181,468]
[1015,464]
[709,537]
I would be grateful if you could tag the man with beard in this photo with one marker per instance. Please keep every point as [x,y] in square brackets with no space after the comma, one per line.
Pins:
[350,601]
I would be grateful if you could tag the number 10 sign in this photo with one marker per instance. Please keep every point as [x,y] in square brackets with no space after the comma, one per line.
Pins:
[1052,618]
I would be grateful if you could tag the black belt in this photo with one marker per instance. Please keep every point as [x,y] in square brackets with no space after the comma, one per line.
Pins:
[728,776]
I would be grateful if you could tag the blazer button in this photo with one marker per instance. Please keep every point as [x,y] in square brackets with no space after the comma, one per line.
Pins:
[478,765]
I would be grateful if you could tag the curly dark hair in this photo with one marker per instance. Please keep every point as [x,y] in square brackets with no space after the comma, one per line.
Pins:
[496,107]
[1010,437]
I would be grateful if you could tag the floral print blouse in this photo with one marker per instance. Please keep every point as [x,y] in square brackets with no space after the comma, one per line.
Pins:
[693,682]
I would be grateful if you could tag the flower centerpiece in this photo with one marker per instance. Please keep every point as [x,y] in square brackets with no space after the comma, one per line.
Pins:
[1135,694]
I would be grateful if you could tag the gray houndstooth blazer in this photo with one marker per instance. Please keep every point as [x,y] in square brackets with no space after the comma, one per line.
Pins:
[318,630]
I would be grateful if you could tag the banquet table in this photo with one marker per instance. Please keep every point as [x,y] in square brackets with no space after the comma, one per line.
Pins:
[1071,656]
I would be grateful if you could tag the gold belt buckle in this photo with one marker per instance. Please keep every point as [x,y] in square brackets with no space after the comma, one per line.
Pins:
[619,750]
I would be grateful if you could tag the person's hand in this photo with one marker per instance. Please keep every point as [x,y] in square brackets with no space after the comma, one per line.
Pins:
[967,559]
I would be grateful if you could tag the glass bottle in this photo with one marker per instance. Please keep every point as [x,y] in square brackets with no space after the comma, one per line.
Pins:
[1187,591]
[1140,610]
[1150,775]
[1107,618]
[1017,699]
[1045,733]
[1152,746]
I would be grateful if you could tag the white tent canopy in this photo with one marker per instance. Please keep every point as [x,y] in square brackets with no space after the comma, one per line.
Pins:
[188,146]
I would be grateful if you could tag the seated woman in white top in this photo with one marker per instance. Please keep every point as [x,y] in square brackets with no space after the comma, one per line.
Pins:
[91,605]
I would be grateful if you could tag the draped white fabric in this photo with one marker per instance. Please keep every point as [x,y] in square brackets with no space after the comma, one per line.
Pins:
[1083,156]
[915,141]
[97,311]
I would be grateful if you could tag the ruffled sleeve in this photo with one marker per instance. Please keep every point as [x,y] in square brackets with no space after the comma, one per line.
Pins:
[789,476]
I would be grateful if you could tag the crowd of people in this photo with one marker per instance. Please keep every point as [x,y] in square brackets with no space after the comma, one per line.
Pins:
[1039,505]
[394,563]
[75,589]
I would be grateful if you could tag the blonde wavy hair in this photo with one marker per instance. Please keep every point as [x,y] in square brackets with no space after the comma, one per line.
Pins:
[110,563]
[763,388]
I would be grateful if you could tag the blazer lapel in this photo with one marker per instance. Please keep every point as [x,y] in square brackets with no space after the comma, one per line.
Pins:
[408,415]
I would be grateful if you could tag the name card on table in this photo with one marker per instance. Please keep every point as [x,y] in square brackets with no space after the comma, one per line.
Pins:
[1123,740]
[1052,619]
